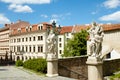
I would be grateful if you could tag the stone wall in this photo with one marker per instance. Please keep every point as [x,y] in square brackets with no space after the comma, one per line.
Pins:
[76,67]
[73,67]
[110,66]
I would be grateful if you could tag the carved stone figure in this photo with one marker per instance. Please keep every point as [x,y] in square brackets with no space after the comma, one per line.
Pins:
[51,41]
[96,38]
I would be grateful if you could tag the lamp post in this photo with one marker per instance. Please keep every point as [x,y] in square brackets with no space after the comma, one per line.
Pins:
[52,55]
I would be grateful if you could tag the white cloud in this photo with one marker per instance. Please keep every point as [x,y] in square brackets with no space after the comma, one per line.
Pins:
[111,17]
[27,1]
[3,19]
[111,4]
[20,5]
[94,12]
[44,15]
[20,8]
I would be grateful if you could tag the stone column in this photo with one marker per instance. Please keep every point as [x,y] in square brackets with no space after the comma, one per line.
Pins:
[94,68]
[52,65]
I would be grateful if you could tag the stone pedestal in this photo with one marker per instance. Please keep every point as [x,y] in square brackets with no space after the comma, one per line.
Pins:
[52,65]
[94,68]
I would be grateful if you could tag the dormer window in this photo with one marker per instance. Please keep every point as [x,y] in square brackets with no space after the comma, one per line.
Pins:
[27,29]
[40,26]
[30,28]
[19,30]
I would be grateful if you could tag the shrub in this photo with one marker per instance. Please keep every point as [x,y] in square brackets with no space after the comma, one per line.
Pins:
[36,65]
[19,63]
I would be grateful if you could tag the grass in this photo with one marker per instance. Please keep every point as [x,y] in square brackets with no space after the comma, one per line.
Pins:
[115,76]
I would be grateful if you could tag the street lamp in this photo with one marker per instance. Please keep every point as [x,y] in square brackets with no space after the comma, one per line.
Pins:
[55,29]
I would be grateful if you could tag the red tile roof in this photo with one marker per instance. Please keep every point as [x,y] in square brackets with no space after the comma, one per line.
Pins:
[109,27]
[106,27]
[19,24]
[66,29]
[22,25]
[77,28]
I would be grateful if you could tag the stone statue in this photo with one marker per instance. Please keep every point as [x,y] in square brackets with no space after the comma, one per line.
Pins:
[51,41]
[96,38]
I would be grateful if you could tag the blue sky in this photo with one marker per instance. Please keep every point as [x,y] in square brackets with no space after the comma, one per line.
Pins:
[64,12]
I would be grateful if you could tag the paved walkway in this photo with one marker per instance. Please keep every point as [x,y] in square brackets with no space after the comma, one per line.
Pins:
[13,73]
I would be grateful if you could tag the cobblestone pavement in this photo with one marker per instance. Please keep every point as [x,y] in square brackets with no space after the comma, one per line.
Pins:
[13,73]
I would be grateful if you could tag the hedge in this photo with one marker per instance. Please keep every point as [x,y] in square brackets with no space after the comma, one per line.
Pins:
[36,65]
[19,63]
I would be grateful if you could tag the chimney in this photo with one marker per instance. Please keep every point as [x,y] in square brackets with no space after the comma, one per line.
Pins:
[7,25]
[18,21]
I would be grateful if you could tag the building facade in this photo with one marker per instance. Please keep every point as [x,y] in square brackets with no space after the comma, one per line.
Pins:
[4,42]
[26,41]
[29,42]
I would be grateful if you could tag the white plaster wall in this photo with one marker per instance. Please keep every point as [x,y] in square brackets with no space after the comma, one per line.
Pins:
[62,47]
[115,55]
[112,38]
[64,38]
[4,41]
[31,43]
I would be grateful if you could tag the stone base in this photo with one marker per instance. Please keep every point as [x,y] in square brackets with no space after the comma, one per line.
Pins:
[94,60]
[53,75]
[52,65]
[94,68]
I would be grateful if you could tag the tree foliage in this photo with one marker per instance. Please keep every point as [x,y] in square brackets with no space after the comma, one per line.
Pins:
[77,45]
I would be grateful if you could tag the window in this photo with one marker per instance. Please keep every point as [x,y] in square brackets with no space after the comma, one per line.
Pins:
[18,48]
[18,40]
[33,38]
[40,48]
[30,48]
[22,39]
[26,49]
[33,48]
[40,27]
[14,40]
[60,51]
[67,34]
[26,29]
[60,39]
[19,30]
[60,45]
[22,48]
[26,39]
[14,48]
[40,37]
[30,29]
[29,38]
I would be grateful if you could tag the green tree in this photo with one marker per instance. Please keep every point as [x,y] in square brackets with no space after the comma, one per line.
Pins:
[77,45]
